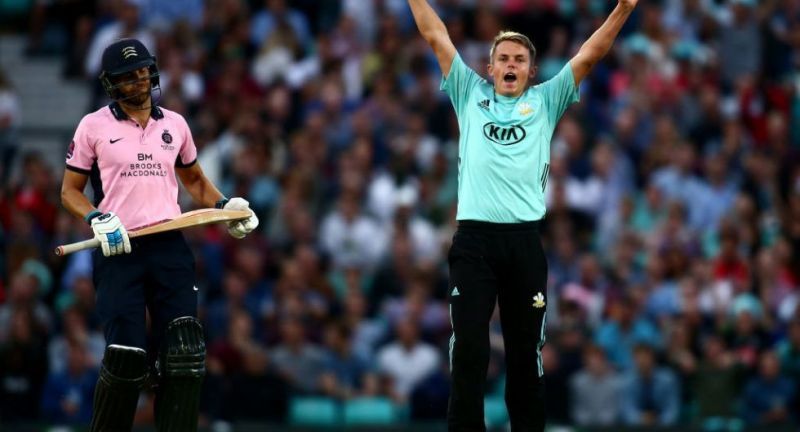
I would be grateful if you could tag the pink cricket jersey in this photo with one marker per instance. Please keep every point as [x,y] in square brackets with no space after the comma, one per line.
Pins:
[132,170]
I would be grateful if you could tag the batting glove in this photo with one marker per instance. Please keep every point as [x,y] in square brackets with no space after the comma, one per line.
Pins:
[239,229]
[113,236]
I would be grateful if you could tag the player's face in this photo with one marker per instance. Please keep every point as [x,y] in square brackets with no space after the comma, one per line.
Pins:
[511,68]
[135,86]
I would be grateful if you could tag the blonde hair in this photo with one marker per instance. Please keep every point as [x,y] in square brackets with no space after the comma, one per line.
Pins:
[506,35]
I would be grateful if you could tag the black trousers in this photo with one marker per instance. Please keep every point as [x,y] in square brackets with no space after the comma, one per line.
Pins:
[159,275]
[502,263]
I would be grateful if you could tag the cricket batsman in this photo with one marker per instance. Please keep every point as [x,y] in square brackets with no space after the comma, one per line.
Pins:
[496,256]
[131,151]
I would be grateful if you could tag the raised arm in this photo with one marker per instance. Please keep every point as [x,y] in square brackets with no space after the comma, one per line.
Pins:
[434,31]
[596,47]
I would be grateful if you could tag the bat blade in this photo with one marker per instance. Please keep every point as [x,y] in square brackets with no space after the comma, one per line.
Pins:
[192,219]
[185,220]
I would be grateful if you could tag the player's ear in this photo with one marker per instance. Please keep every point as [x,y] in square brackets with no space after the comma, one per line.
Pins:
[532,72]
[489,68]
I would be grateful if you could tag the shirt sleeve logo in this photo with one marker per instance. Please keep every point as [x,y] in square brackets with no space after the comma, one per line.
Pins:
[71,149]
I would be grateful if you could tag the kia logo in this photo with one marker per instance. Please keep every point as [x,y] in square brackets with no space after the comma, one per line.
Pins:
[504,135]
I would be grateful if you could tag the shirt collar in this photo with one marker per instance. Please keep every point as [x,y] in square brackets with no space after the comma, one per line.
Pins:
[119,114]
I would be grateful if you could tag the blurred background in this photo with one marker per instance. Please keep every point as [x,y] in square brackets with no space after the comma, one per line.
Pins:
[672,233]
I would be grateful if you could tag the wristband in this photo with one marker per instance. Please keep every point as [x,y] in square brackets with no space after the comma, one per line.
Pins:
[91,215]
[221,203]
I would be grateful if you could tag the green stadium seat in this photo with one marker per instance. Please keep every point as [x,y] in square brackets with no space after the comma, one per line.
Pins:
[373,411]
[313,411]
[494,412]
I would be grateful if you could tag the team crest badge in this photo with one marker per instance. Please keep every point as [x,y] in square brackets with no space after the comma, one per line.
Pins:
[129,52]
[538,301]
[524,108]
[167,138]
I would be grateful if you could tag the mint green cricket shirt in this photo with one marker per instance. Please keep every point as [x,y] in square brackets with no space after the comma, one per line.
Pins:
[504,143]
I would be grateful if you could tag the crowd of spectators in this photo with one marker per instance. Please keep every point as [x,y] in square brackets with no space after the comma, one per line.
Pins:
[672,233]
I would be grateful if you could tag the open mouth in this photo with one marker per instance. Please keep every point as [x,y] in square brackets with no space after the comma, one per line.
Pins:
[509,78]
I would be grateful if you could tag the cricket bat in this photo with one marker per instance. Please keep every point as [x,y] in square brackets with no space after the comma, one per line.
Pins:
[185,220]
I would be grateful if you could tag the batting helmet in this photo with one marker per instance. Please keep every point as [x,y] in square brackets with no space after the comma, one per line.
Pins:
[121,57]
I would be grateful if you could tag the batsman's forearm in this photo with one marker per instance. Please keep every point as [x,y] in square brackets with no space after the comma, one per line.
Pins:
[428,22]
[204,193]
[597,46]
[76,202]
[199,186]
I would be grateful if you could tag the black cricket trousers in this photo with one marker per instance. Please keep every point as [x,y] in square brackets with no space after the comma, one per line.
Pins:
[158,274]
[505,263]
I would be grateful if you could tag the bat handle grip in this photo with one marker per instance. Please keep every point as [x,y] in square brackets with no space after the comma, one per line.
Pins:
[75,247]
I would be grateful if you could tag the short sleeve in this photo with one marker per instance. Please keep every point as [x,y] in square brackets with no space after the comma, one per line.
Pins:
[459,83]
[559,93]
[81,151]
[188,153]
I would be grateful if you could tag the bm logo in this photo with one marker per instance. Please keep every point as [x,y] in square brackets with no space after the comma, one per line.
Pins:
[504,135]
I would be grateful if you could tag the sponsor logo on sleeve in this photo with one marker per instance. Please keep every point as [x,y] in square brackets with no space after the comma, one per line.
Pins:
[71,149]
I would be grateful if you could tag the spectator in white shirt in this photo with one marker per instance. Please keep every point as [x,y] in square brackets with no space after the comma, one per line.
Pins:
[351,238]
[407,361]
